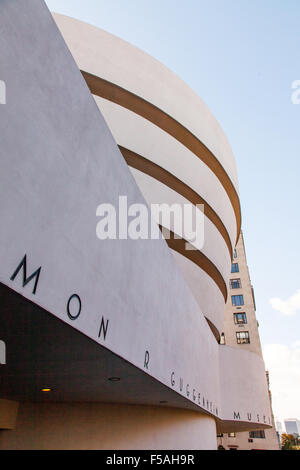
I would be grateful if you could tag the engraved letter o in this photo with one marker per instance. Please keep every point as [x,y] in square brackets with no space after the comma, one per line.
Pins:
[74,317]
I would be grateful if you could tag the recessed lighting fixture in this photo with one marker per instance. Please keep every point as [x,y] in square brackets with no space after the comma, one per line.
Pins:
[114,379]
[46,390]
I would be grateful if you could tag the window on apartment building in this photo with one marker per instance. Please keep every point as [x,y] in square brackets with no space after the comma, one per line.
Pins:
[234,254]
[257,435]
[235,283]
[235,268]
[237,300]
[231,434]
[240,318]
[242,337]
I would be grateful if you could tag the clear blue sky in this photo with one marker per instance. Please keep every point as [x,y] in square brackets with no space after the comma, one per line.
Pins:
[241,57]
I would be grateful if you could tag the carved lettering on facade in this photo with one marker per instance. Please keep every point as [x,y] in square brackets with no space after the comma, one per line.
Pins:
[103,328]
[146,360]
[74,311]
[26,279]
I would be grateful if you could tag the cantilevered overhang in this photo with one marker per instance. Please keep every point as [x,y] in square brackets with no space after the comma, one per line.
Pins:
[45,353]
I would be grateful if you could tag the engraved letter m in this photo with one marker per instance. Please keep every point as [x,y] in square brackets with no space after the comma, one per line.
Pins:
[26,279]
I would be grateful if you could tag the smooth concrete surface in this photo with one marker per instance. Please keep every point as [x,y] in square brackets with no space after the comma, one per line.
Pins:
[37,341]
[59,161]
[145,138]
[8,413]
[240,372]
[209,241]
[93,426]
[205,290]
[117,61]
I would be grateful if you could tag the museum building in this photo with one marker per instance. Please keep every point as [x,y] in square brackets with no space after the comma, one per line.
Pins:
[116,343]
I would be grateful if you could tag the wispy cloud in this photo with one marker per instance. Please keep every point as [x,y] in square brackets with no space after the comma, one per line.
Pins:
[283,363]
[288,307]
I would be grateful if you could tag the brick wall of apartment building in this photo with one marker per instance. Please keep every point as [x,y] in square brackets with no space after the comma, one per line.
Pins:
[241,331]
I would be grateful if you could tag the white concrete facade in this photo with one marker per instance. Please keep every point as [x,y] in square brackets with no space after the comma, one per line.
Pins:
[105,426]
[130,310]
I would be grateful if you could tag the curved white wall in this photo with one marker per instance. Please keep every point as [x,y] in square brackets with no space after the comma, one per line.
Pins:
[242,375]
[214,246]
[108,57]
[67,164]
[97,426]
[117,61]
[143,137]
[205,290]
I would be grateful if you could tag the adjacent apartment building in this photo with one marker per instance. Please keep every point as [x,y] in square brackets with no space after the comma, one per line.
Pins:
[241,331]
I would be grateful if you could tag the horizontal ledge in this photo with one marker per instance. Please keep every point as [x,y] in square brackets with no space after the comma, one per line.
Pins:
[112,92]
[196,256]
[146,166]
[214,330]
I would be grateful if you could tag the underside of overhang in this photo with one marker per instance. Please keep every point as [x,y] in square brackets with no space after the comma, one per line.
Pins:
[43,352]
